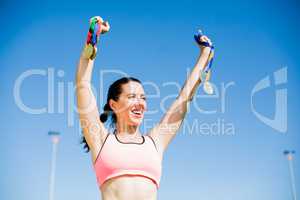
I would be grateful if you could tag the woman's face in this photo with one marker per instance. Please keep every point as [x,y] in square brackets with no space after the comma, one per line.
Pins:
[131,104]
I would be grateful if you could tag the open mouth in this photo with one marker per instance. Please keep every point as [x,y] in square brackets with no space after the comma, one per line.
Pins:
[137,113]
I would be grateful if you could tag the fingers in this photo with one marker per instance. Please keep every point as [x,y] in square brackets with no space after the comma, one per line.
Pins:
[105,27]
[204,38]
[106,24]
[98,18]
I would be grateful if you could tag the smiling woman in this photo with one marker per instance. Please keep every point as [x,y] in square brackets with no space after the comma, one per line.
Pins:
[128,163]
[123,91]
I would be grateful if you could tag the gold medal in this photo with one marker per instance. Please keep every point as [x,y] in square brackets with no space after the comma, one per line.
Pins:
[88,50]
[93,56]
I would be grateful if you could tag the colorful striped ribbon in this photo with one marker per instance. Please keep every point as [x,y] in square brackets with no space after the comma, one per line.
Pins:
[92,38]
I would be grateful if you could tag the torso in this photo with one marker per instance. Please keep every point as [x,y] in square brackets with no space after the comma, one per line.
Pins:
[130,187]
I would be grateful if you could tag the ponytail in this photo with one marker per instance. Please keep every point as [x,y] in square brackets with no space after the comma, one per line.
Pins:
[104,115]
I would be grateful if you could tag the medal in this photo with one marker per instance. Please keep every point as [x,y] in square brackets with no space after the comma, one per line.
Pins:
[208,88]
[88,50]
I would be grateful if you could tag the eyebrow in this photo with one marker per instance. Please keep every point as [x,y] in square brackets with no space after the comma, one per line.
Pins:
[135,94]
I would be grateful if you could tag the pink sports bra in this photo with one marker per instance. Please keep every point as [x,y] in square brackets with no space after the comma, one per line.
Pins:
[117,158]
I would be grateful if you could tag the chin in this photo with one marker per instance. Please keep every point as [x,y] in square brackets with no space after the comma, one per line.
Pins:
[135,122]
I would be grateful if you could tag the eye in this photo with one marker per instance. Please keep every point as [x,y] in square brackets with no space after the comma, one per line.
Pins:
[131,96]
[144,98]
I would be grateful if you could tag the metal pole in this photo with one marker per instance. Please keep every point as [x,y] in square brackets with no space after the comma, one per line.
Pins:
[55,140]
[289,155]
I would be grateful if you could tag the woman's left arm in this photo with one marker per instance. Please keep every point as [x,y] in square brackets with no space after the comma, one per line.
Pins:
[170,123]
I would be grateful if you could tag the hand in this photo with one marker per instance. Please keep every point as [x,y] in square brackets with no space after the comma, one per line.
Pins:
[104,24]
[96,25]
[105,27]
[205,50]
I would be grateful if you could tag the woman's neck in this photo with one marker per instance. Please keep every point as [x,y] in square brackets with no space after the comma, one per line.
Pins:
[127,129]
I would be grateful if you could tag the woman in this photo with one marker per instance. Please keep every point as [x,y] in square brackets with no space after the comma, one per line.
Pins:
[127,163]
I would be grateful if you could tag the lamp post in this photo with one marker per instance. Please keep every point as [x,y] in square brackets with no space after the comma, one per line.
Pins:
[289,155]
[55,140]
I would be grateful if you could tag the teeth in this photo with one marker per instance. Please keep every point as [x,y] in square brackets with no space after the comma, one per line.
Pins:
[137,112]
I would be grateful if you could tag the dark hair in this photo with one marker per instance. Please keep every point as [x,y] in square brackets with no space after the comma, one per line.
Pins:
[114,91]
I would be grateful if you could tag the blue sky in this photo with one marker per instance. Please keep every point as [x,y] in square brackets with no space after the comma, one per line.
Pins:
[153,41]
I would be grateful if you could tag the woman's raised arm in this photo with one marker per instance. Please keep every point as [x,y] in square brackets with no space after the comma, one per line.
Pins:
[170,123]
[93,129]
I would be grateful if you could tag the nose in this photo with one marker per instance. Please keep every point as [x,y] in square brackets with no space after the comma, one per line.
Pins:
[140,103]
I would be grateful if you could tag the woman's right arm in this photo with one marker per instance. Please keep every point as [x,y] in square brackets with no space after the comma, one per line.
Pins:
[93,129]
